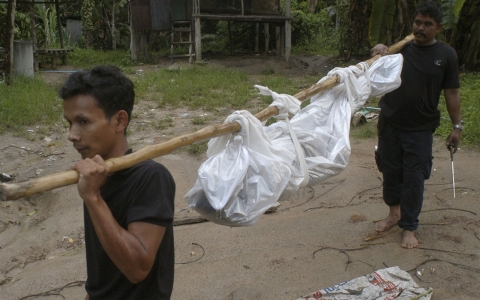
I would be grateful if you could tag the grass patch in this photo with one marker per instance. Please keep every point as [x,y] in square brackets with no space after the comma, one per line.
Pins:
[199,120]
[365,131]
[207,87]
[198,148]
[164,123]
[195,87]
[89,58]
[470,107]
[27,102]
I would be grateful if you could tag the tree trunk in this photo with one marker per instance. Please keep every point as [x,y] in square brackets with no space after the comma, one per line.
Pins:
[138,44]
[87,22]
[34,34]
[354,40]
[403,21]
[466,39]
[312,4]
[112,28]
[9,40]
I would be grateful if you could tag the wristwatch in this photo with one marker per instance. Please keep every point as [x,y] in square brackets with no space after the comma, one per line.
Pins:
[458,126]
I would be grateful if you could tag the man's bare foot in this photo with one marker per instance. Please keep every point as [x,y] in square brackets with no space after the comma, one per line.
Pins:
[409,239]
[390,221]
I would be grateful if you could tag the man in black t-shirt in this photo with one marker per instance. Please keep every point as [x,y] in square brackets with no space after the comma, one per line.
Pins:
[409,116]
[128,214]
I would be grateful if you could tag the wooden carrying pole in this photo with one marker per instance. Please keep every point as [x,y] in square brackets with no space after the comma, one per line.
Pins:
[12,191]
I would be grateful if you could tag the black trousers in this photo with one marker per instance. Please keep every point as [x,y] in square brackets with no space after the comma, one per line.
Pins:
[405,160]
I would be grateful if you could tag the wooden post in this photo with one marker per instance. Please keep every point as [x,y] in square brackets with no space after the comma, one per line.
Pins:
[266,28]
[282,41]
[198,33]
[278,40]
[34,35]
[257,30]
[138,41]
[198,40]
[288,31]
[60,32]
[9,46]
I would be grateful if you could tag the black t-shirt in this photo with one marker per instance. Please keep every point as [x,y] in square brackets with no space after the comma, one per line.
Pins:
[426,71]
[144,192]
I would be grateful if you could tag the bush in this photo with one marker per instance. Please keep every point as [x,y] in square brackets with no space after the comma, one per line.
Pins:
[470,107]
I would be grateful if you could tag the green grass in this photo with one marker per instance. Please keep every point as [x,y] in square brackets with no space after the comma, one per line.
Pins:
[28,102]
[206,87]
[88,58]
[195,87]
[164,123]
[197,148]
[470,108]
[31,102]
[365,131]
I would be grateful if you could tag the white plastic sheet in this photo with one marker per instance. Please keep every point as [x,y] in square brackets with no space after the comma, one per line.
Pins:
[237,184]
[385,284]
[323,127]
[247,172]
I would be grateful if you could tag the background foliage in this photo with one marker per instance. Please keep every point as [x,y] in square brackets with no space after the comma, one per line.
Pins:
[345,28]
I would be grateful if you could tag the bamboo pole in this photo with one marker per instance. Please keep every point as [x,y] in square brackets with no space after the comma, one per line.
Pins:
[13,191]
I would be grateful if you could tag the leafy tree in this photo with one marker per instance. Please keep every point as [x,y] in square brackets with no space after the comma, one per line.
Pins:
[87,22]
[47,36]
[312,30]
[354,26]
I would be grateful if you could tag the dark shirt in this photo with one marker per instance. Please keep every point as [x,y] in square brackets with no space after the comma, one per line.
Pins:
[426,71]
[144,192]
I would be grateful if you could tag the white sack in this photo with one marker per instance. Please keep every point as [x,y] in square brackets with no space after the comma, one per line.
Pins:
[247,172]
[244,175]
[323,127]
[236,186]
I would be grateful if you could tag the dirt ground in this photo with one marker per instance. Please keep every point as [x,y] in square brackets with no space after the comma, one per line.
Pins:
[321,237]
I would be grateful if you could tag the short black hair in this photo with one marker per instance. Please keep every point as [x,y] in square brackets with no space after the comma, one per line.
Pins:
[430,9]
[112,90]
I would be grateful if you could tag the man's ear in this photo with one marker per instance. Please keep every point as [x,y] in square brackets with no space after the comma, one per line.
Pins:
[121,119]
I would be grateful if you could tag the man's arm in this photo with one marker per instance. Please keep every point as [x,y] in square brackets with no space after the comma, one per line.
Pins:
[452,99]
[133,251]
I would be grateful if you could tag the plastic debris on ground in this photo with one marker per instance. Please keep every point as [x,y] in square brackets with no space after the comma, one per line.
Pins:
[5,177]
[385,284]
[249,171]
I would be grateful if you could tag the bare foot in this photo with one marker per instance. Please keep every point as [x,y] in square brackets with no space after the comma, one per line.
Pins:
[409,239]
[390,221]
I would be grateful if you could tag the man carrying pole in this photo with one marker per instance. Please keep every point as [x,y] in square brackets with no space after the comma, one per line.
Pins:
[409,116]
[128,215]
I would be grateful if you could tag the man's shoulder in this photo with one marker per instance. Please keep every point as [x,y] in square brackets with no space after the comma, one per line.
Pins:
[441,46]
[150,166]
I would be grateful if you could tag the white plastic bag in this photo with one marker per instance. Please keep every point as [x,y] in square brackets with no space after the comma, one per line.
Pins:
[247,172]
[384,74]
[323,127]
[236,186]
